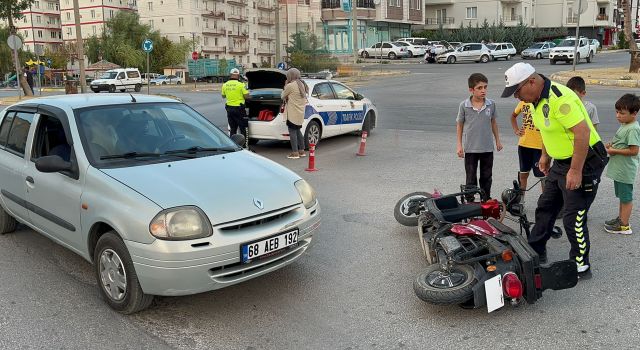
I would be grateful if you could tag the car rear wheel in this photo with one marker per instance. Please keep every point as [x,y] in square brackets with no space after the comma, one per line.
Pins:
[365,54]
[590,57]
[539,55]
[164,83]
[312,134]
[117,279]
[392,55]
[7,222]
[410,54]
[112,88]
[484,59]
[179,83]
[451,59]
[138,88]
[508,57]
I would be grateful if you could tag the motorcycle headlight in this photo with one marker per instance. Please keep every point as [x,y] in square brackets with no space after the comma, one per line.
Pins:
[307,193]
[180,223]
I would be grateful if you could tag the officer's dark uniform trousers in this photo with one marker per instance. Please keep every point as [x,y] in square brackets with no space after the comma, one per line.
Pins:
[237,118]
[576,203]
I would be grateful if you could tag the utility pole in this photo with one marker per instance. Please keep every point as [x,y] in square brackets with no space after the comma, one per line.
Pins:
[79,45]
[575,49]
[193,40]
[277,19]
[354,21]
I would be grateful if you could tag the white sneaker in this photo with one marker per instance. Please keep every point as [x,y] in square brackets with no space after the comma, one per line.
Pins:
[582,268]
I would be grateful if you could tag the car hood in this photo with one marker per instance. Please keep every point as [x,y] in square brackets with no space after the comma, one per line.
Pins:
[223,186]
[266,78]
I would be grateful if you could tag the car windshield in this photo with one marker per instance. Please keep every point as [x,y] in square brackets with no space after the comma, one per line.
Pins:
[400,43]
[161,77]
[127,134]
[109,75]
[567,42]
[536,46]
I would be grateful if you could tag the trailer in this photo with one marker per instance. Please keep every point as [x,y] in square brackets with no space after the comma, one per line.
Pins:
[211,70]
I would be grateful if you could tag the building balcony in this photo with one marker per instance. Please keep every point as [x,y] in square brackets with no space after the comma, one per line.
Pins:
[511,1]
[239,35]
[266,52]
[265,5]
[511,20]
[603,1]
[440,20]
[329,14]
[214,31]
[267,37]
[602,18]
[214,49]
[572,19]
[236,17]
[239,49]
[438,2]
[238,2]
[337,4]
[214,14]
[266,21]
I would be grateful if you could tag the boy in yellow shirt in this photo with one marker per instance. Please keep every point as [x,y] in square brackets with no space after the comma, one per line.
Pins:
[529,145]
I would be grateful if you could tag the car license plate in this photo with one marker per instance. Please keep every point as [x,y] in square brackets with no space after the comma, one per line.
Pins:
[94,86]
[493,291]
[268,246]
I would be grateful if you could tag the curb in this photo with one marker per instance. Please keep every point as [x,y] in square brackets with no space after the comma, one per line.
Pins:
[603,82]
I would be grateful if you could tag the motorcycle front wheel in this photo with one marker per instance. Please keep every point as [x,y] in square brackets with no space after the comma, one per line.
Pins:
[437,286]
[405,212]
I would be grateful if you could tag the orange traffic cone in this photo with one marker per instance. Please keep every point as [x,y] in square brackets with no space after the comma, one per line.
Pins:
[363,143]
[312,158]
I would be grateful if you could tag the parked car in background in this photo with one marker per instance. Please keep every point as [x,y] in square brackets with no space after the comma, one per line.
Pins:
[146,77]
[150,223]
[412,50]
[564,51]
[384,49]
[502,50]
[118,79]
[538,50]
[477,52]
[415,41]
[166,80]
[455,44]
[596,44]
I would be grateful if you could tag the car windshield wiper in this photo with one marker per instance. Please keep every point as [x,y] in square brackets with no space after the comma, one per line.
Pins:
[130,155]
[198,149]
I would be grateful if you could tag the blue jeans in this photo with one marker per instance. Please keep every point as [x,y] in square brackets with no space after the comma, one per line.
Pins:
[297,141]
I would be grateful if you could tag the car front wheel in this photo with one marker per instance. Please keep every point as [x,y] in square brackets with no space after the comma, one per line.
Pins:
[392,56]
[484,59]
[312,134]
[451,59]
[117,279]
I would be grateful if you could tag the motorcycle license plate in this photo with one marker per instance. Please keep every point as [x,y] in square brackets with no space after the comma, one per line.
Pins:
[268,246]
[493,291]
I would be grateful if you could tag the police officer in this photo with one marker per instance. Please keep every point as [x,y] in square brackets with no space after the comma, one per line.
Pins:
[236,92]
[579,157]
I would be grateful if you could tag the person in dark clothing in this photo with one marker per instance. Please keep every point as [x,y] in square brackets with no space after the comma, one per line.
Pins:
[29,77]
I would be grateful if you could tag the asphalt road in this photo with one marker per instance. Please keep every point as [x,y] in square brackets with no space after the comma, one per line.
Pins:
[353,289]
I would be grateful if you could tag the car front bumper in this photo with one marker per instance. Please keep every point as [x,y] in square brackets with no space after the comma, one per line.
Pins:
[561,56]
[172,268]
[100,87]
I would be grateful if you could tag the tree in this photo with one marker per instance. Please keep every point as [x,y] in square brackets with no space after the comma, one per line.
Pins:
[634,62]
[305,53]
[10,10]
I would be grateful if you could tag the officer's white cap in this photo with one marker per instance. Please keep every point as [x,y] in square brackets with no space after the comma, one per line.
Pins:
[515,75]
[234,71]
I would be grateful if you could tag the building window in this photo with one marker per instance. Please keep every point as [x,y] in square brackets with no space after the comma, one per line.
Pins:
[69,31]
[197,20]
[151,23]
[180,22]
[38,19]
[472,12]
[181,39]
[206,41]
[36,4]
[68,16]
[150,6]
[395,3]
[26,33]
[111,13]
[93,29]
[179,4]
[39,34]
[93,13]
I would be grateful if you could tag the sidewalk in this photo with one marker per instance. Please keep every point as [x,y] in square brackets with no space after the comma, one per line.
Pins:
[618,76]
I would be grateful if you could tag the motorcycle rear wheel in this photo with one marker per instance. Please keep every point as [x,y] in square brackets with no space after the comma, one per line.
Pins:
[436,286]
[400,210]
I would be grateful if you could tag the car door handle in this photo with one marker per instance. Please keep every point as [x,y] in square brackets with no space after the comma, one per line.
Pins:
[30,180]
[320,106]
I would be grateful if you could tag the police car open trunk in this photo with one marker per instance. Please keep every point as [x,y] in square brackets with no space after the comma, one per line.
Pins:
[265,87]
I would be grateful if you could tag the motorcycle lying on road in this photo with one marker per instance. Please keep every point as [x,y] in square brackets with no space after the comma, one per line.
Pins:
[474,259]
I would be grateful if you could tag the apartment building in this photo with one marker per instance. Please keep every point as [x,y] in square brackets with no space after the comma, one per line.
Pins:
[598,21]
[40,25]
[94,15]
[377,20]
[243,30]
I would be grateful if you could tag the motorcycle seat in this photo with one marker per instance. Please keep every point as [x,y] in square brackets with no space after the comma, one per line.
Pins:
[448,209]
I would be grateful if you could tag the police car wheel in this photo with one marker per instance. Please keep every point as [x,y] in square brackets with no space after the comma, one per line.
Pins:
[312,133]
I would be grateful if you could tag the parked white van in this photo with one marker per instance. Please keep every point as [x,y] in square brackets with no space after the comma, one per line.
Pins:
[118,79]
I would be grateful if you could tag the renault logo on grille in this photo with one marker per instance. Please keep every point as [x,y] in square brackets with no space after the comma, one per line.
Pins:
[258,203]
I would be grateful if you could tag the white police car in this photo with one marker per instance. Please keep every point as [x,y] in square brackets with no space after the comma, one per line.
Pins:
[333,108]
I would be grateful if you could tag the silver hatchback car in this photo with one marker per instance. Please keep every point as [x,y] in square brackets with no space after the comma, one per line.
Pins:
[160,200]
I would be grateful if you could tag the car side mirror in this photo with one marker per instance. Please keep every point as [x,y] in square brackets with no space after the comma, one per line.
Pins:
[52,164]
[359,97]
[238,139]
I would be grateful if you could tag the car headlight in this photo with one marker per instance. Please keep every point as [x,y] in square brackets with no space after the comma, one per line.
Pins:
[307,193]
[180,223]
